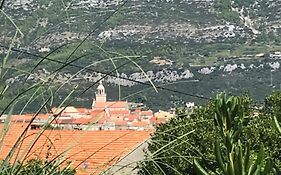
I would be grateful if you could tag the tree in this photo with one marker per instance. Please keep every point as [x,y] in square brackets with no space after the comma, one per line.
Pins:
[233,157]
[177,143]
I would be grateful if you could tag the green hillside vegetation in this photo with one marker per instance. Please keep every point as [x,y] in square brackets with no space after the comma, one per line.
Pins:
[214,135]
[35,167]
[59,19]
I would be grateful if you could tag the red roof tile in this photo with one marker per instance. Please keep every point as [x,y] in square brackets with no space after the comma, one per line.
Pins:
[89,151]
[140,124]
[29,117]
[97,112]
[137,110]
[62,121]
[119,112]
[65,110]
[161,120]
[111,105]
[43,116]
[147,113]
[97,118]
[101,121]
[83,110]
[153,119]
[121,123]
[132,117]
[82,121]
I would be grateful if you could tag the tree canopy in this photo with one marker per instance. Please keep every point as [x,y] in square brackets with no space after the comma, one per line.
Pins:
[189,136]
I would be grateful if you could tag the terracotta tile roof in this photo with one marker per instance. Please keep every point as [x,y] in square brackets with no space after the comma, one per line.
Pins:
[21,118]
[81,121]
[147,113]
[97,118]
[140,124]
[83,110]
[68,109]
[43,116]
[101,121]
[132,117]
[119,112]
[121,123]
[63,121]
[91,152]
[77,121]
[153,119]
[28,117]
[161,120]
[112,104]
[138,110]
[97,112]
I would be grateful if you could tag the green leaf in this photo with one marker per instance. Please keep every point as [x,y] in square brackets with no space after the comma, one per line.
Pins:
[247,157]
[199,170]
[230,165]
[258,170]
[254,168]
[268,167]
[240,165]
[277,126]
[260,156]
[219,156]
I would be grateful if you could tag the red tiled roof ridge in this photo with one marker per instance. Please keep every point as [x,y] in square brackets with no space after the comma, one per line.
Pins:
[108,145]
[111,104]
[140,123]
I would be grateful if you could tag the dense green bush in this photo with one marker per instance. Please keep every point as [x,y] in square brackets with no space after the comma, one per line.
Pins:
[225,12]
[180,153]
[36,166]
[178,147]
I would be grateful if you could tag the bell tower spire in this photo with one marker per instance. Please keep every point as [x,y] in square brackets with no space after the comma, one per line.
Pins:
[100,94]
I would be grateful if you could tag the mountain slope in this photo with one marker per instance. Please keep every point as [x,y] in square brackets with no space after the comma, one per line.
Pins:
[198,47]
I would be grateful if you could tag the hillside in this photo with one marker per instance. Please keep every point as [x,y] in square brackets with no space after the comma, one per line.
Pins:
[199,47]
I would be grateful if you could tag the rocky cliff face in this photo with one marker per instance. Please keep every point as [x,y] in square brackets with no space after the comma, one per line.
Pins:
[213,44]
[48,23]
[141,21]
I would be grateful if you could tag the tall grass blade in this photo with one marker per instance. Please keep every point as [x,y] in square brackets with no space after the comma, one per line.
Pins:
[6,125]
[276,123]
[219,156]
[198,168]
[2,4]
[170,143]
[12,21]
[268,167]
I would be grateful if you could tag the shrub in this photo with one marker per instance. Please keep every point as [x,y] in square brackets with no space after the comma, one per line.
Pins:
[185,145]
[36,166]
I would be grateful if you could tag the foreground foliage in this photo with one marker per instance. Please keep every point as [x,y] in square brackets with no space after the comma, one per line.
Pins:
[36,166]
[244,137]
[231,156]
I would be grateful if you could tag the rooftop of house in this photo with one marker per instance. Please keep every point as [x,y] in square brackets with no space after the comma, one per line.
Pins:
[26,117]
[91,152]
[83,110]
[68,109]
[111,104]
[119,112]
[163,114]
[147,113]
[140,124]
[132,117]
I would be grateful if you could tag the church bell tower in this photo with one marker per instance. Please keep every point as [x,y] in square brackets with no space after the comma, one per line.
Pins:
[100,94]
